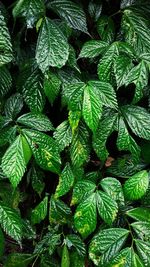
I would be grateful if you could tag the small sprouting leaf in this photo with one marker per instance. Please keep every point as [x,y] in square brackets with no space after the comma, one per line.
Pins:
[63,135]
[40,211]
[71,12]
[56,52]
[126,142]
[77,243]
[11,222]
[59,212]
[81,191]
[44,149]
[51,86]
[85,217]
[13,106]
[107,207]
[6,54]
[65,259]
[37,121]
[30,10]
[106,243]
[92,48]
[66,181]
[6,81]
[92,107]
[139,214]
[135,187]
[15,160]
[138,119]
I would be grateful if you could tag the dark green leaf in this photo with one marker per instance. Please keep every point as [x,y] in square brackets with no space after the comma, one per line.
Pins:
[40,211]
[113,188]
[65,259]
[59,212]
[13,106]
[6,81]
[93,48]
[81,191]
[19,260]
[142,214]
[63,135]
[76,242]
[51,86]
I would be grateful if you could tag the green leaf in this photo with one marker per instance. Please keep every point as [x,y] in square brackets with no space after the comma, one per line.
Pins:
[44,149]
[72,61]
[11,222]
[40,211]
[72,13]
[95,10]
[59,212]
[113,188]
[52,86]
[142,229]
[6,54]
[76,260]
[13,106]
[30,10]
[106,243]
[81,191]
[106,93]
[8,135]
[2,243]
[107,207]
[122,67]
[6,81]
[63,135]
[105,128]
[33,91]
[139,214]
[106,29]
[18,260]
[138,119]
[66,181]
[143,249]
[76,242]
[92,107]
[36,176]
[85,217]
[65,259]
[74,119]
[15,160]
[56,52]
[139,76]
[92,48]
[126,142]
[37,121]
[135,187]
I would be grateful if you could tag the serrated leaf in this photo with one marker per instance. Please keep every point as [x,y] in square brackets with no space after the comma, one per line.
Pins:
[11,222]
[92,107]
[40,211]
[37,121]
[142,229]
[65,258]
[74,119]
[135,187]
[81,191]
[72,61]
[56,52]
[33,91]
[36,176]
[105,128]
[15,160]
[139,214]
[93,48]
[13,106]
[113,188]
[106,93]
[66,181]
[51,86]
[126,142]
[77,243]
[71,12]
[85,217]
[6,54]
[8,135]
[6,81]
[95,10]
[59,212]
[63,135]
[143,249]
[122,67]
[138,119]
[106,29]
[107,207]
[126,3]
[106,244]
[139,76]
[44,149]
[18,260]
[30,10]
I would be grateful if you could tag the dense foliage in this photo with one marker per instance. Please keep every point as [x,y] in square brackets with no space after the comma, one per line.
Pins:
[74,133]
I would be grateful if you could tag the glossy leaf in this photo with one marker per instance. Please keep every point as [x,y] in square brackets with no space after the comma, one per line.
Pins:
[143,249]
[65,259]
[6,81]
[51,86]
[40,211]
[113,188]
[139,214]
[56,52]
[81,191]
[13,106]
[122,67]
[93,48]
[76,242]
[63,135]
[59,212]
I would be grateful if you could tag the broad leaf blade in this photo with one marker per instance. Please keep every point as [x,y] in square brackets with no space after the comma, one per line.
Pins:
[63,135]
[92,48]
[40,211]
[81,191]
